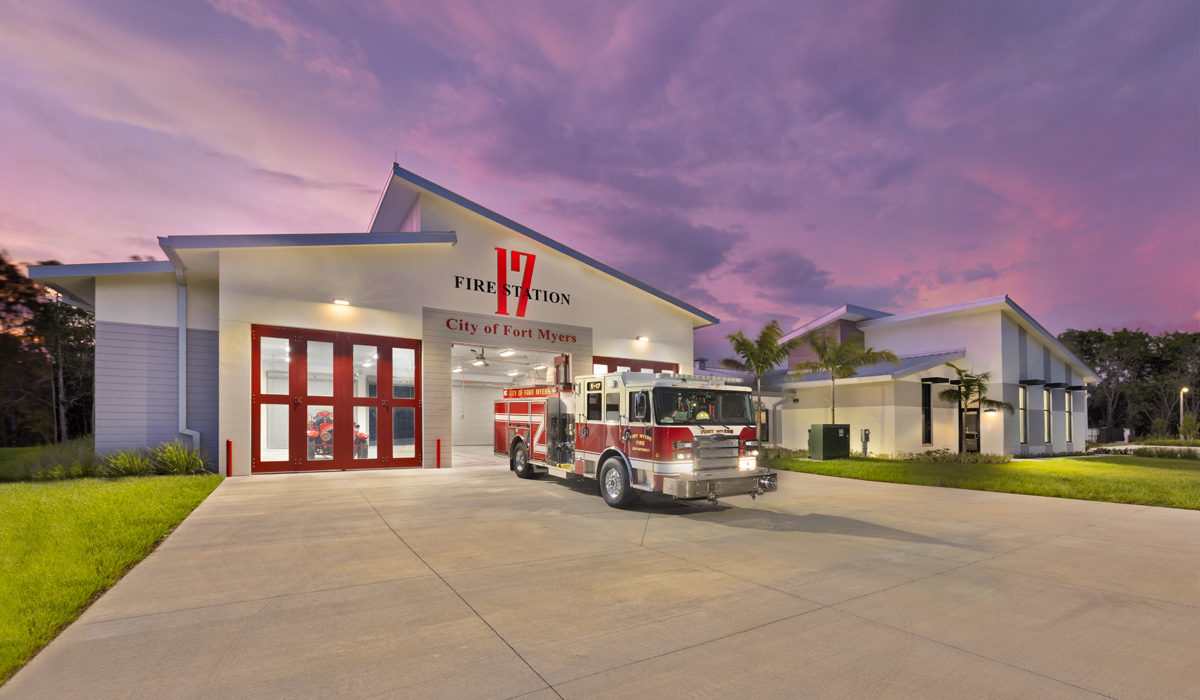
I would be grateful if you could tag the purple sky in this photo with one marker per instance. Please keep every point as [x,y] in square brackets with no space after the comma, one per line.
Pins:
[757,159]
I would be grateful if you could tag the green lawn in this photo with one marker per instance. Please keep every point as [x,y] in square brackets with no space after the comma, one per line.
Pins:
[62,543]
[1174,483]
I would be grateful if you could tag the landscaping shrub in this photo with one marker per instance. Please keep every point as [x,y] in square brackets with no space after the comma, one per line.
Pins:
[127,463]
[174,458]
[1166,453]
[944,455]
[1189,426]
[1158,428]
[77,459]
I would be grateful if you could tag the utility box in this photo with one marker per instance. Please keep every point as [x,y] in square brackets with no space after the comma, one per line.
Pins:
[829,441]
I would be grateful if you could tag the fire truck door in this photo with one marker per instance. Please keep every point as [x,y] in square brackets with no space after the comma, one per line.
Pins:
[623,430]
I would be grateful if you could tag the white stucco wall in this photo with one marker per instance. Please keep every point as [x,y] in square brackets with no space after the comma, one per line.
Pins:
[389,286]
[145,299]
[992,342]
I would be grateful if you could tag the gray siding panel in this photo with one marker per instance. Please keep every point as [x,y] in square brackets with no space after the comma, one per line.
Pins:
[137,384]
[202,397]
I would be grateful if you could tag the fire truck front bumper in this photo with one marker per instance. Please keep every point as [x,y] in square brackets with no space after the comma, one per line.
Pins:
[719,484]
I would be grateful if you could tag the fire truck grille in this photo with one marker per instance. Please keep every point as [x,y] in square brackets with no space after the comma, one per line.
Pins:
[715,452]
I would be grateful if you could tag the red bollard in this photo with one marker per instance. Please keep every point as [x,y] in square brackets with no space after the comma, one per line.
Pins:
[439,453]
[229,458]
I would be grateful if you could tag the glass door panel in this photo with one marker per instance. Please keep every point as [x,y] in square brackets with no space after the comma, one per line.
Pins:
[404,373]
[275,357]
[321,400]
[273,428]
[404,433]
[320,433]
[365,430]
[366,371]
[320,368]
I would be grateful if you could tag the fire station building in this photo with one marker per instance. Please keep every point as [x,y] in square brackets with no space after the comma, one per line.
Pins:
[382,349]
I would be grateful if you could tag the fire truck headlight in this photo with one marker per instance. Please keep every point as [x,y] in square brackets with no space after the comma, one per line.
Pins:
[747,463]
[683,455]
[750,443]
[683,444]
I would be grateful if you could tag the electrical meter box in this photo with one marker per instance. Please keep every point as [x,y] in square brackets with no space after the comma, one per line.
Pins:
[829,441]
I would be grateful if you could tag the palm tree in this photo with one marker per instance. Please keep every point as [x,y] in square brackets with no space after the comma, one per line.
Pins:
[841,360]
[971,392]
[759,356]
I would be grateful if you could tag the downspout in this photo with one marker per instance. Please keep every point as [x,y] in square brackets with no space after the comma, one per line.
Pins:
[181,319]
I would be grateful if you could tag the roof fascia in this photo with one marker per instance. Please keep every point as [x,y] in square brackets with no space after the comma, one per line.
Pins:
[70,296]
[294,240]
[45,272]
[930,364]
[966,306]
[436,189]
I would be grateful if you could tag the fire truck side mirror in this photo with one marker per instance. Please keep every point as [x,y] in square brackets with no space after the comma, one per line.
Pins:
[639,406]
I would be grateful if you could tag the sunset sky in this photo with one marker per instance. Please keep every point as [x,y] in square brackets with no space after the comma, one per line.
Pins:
[756,159]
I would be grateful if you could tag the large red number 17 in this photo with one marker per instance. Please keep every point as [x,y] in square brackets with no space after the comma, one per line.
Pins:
[502,267]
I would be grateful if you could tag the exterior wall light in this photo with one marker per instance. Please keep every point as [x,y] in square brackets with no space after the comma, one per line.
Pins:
[456,370]
[507,353]
[643,339]
[513,373]
[341,302]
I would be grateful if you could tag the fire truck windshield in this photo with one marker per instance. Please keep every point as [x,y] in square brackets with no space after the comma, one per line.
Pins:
[702,406]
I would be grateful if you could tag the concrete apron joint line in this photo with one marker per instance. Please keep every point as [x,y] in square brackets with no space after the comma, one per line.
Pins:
[451,588]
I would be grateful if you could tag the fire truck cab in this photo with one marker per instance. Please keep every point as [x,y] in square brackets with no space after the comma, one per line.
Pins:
[687,436]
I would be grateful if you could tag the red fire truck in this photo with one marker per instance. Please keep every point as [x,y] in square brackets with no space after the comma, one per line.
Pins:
[686,436]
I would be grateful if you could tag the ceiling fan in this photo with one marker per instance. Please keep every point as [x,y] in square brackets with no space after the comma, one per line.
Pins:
[480,358]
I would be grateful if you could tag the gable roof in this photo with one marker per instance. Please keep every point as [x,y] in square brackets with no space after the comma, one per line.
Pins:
[433,188]
[866,318]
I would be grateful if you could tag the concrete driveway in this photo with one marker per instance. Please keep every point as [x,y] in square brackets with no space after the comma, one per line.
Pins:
[471,583]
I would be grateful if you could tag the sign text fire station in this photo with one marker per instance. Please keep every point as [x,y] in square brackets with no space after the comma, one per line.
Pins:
[503,289]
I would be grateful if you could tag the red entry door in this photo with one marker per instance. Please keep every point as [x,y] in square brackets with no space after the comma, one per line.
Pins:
[323,400]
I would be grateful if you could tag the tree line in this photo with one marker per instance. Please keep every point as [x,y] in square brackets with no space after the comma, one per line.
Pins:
[1141,376]
[47,362]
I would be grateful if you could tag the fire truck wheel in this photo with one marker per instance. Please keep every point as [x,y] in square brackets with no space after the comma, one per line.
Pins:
[520,462]
[614,484]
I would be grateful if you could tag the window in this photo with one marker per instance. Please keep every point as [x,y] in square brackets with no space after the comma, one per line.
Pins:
[1046,412]
[612,407]
[1069,399]
[702,407]
[593,407]
[926,413]
[1023,407]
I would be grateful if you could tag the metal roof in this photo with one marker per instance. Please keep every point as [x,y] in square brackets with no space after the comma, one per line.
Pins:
[908,365]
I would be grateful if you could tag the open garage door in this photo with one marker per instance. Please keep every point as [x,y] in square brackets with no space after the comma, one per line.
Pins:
[479,376]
